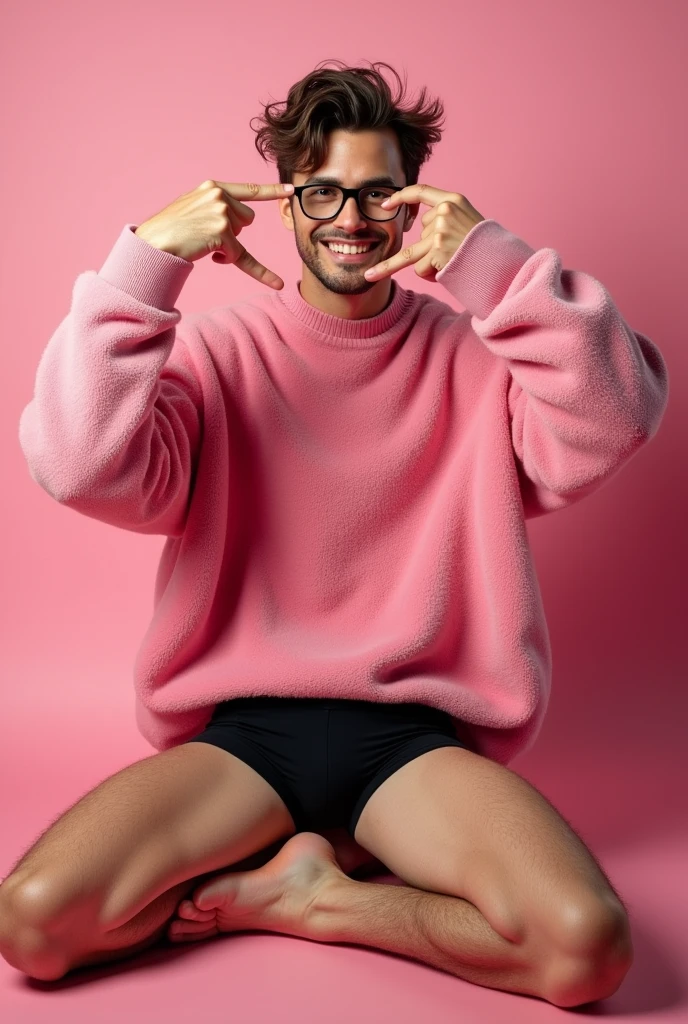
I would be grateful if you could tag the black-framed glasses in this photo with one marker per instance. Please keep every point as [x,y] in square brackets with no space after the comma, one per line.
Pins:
[323,202]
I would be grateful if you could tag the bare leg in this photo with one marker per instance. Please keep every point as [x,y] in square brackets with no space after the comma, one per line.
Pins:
[103,880]
[303,892]
[451,934]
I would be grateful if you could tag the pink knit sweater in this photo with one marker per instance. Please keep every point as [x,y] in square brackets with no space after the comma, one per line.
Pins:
[344,501]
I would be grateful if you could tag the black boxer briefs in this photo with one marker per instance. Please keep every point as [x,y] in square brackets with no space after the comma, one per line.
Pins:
[326,757]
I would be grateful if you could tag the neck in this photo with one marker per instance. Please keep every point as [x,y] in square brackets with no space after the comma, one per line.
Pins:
[349,307]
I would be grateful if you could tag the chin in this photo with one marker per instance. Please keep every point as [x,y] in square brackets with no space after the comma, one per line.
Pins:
[348,287]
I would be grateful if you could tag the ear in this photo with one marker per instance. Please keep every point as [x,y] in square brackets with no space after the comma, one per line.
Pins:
[285,209]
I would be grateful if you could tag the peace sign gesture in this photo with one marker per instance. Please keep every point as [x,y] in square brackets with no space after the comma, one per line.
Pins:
[445,227]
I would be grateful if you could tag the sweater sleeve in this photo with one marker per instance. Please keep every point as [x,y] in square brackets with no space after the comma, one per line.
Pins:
[114,425]
[585,392]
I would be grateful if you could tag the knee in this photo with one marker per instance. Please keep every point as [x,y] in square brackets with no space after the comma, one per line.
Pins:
[27,941]
[595,953]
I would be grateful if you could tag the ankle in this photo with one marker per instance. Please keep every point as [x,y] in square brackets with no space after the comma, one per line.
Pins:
[327,912]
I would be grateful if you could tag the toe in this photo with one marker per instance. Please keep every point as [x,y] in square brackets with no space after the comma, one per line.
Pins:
[188,910]
[209,897]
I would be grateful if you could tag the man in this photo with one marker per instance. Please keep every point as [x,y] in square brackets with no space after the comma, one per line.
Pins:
[348,630]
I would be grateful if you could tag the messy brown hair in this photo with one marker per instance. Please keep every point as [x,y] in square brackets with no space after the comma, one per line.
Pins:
[352,99]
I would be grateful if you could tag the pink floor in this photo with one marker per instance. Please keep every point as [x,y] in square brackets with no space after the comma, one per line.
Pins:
[638,830]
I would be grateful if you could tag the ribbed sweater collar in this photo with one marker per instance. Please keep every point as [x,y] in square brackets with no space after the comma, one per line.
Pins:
[342,332]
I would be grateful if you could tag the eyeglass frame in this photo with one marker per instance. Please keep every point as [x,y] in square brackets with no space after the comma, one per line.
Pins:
[347,194]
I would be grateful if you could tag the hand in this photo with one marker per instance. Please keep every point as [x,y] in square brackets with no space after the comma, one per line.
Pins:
[208,219]
[445,227]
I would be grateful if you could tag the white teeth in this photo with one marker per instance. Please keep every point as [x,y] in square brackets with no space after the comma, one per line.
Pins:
[348,248]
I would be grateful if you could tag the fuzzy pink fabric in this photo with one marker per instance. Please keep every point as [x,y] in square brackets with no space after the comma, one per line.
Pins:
[344,500]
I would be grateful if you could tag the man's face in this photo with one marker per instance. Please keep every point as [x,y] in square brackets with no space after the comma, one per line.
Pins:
[352,158]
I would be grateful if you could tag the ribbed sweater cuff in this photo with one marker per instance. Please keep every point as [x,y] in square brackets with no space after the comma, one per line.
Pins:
[150,275]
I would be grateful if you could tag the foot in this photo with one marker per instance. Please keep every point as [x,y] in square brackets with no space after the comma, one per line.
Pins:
[275,897]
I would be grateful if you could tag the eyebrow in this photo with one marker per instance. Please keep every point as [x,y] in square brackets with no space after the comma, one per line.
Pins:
[381,179]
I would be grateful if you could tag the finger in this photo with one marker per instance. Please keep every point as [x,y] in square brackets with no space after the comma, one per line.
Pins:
[240,216]
[255,193]
[240,211]
[237,221]
[419,193]
[401,259]
[250,265]
[426,269]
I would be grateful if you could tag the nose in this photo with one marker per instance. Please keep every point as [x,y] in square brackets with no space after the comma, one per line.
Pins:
[350,218]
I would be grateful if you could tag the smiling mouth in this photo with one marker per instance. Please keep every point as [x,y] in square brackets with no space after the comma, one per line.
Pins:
[351,257]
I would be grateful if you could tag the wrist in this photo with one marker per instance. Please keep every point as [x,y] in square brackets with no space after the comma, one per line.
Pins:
[157,243]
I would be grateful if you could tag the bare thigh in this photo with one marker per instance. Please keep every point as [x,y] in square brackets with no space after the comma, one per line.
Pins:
[168,819]
[454,822]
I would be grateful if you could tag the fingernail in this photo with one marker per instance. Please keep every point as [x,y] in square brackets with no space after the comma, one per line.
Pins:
[288,188]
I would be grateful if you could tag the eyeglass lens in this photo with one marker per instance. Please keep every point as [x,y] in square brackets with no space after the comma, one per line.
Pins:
[324,201]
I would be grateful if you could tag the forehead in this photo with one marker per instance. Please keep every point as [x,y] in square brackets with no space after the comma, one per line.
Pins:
[354,156]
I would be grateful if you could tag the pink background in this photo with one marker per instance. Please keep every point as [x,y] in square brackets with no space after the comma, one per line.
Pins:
[564,123]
